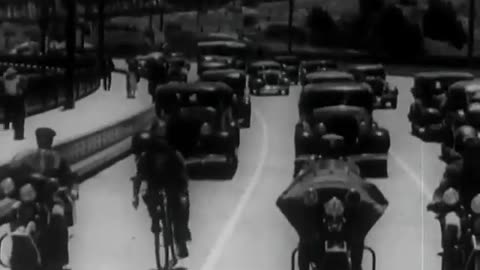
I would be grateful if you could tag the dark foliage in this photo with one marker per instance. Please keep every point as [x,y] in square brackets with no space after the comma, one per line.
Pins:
[368,7]
[440,22]
[324,30]
[396,35]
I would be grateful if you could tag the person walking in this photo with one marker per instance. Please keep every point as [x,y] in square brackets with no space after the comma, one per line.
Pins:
[132,79]
[15,111]
[109,67]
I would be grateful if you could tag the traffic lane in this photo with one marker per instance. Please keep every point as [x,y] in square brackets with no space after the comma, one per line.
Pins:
[263,238]
[111,235]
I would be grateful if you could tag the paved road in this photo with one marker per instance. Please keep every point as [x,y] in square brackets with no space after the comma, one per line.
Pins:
[236,225]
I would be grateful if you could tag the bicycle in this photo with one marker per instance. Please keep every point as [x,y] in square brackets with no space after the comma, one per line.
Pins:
[166,229]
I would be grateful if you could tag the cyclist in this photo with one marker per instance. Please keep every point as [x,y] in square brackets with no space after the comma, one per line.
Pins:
[160,166]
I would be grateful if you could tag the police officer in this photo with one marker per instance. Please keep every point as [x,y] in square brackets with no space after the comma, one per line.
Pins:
[47,162]
[159,165]
[14,102]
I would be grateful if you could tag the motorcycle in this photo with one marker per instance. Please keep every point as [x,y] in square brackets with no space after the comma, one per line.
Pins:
[29,218]
[336,252]
[463,248]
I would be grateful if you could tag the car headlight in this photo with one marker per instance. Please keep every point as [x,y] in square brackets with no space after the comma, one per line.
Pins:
[206,129]
[321,129]
[450,197]
[310,197]
[307,131]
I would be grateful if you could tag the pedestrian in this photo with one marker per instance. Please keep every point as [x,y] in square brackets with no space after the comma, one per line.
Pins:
[109,67]
[132,79]
[15,111]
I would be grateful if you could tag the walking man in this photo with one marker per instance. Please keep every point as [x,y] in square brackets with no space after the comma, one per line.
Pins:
[15,111]
[132,79]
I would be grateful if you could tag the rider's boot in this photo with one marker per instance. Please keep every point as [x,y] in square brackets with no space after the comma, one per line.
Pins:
[182,249]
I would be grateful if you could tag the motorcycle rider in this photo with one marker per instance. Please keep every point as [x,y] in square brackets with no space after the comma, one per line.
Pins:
[160,165]
[461,176]
[311,241]
[45,162]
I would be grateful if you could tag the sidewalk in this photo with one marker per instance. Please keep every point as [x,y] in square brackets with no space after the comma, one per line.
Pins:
[91,113]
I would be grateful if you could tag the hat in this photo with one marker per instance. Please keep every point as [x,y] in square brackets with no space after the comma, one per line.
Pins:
[45,132]
[10,72]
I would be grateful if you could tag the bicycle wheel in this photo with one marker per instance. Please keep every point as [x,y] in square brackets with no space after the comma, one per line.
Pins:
[165,251]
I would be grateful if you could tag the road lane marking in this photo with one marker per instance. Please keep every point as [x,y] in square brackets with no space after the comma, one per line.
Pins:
[219,246]
[413,177]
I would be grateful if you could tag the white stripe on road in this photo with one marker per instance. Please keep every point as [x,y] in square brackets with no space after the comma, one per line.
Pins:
[413,176]
[219,246]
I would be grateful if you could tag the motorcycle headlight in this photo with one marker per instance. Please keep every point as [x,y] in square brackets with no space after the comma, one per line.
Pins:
[475,204]
[450,197]
[27,193]
[310,197]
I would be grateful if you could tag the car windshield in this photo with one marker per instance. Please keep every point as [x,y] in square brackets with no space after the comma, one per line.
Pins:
[375,73]
[221,50]
[317,67]
[334,98]
[328,79]
[271,78]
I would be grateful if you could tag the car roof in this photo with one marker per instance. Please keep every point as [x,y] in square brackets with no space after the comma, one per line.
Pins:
[317,62]
[195,87]
[220,73]
[435,75]
[270,71]
[329,74]
[367,67]
[265,63]
[332,170]
[467,86]
[286,57]
[336,86]
[227,43]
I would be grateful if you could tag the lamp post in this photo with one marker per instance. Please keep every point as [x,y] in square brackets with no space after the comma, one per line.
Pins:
[101,35]
[471,30]
[290,23]
[70,35]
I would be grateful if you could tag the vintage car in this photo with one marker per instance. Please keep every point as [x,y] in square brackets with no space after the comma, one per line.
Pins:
[328,76]
[237,80]
[460,96]
[201,126]
[257,66]
[332,94]
[269,82]
[363,141]
[143,61]
[290,64]
[375,75]
[426,113]
[313,66]
[221,54]
[178,67]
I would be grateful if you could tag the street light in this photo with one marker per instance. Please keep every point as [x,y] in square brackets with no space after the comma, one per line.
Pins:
[290,22]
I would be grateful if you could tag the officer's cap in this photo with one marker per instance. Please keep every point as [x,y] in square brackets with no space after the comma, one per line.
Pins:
[45,132]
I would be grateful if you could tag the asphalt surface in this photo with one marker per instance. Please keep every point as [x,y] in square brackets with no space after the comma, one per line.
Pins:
[236,224]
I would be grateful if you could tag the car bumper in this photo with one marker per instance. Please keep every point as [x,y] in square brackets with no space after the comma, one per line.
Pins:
[371,165]
[386,101]
[270,92]
[211,166]
[429,132]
